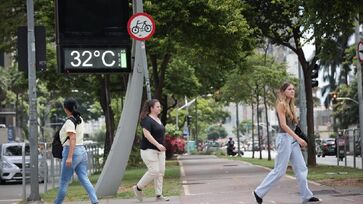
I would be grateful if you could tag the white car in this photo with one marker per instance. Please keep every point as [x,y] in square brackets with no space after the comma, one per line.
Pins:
[11,162]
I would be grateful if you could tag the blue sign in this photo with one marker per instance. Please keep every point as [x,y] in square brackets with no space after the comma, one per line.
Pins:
[11,136]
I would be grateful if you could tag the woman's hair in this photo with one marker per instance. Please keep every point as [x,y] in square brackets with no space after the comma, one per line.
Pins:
[288,107]
[146,108]
[71,105]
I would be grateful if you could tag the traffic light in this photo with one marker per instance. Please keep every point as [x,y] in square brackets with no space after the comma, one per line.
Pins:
[314,75]
[189,119]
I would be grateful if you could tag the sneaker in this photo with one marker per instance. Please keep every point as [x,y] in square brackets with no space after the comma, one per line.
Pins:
[313,200]
[258,199]
[161,198]
[138,194]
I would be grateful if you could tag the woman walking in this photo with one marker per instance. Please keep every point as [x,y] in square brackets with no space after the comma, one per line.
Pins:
[152,150]
[288,149]
[74,154]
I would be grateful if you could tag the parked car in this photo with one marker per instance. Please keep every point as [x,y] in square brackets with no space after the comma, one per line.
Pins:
[318,147]
[211,146]
[11,162]
[328,147]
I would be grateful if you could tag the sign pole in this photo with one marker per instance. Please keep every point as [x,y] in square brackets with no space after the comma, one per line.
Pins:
[33,136]
[359,81]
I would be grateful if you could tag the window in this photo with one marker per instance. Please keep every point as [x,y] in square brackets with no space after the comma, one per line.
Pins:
[16,150]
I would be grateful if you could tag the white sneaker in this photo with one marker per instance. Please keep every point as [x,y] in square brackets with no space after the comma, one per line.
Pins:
[138,194]
[162,198]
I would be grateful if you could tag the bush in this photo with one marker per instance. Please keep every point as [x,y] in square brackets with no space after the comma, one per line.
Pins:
[174,145]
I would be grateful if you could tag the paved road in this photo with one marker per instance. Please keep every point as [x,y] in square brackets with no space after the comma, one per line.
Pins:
[210,180]
[12,192]
[327,160]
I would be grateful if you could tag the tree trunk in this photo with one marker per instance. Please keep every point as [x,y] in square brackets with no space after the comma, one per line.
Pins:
[159,81]
[267,124]
[309,114]
[307,70]
[105,100]
[159,76]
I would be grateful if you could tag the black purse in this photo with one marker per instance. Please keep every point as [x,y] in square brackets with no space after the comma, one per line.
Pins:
[301,134]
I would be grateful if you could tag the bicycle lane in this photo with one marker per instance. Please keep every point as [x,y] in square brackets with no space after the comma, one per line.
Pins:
[209,180]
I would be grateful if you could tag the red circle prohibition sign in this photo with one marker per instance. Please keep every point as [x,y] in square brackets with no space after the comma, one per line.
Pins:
[141,26]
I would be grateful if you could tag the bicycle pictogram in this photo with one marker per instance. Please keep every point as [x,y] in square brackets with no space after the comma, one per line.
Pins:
[141,26]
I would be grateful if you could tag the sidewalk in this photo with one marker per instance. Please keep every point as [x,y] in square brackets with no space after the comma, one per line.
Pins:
[211,180]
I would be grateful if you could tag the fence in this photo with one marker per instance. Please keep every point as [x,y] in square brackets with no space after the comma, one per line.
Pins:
[49,168]
[348,143]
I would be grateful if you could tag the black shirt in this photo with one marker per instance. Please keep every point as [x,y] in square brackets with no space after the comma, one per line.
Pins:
[156,130]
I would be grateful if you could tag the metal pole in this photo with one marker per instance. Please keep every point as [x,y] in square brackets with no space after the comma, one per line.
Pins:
[23,174]
[359,81]
[146,71]
[354,150]
[196,123]
[345,147]
[177,119]
[237,128]
[188,126]
[45,176]
[33,136]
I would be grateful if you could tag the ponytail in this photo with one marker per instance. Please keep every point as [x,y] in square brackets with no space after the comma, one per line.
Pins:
[71,105]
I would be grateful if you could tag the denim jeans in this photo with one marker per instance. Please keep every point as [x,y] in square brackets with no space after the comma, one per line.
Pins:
[287,150]
[80,166]
[155,162]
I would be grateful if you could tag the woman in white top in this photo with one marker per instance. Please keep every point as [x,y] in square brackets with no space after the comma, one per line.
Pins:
[74,154]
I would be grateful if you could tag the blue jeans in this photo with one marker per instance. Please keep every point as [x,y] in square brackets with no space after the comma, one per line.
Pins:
[80,166]
[287,150]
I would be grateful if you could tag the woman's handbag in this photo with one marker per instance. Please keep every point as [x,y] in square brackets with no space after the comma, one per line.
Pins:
[301,134]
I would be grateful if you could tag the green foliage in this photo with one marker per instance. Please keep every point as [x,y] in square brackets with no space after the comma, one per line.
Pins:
[245,126]
[172,130]
[261,71]
[216,131]
[345,110]
[181,79]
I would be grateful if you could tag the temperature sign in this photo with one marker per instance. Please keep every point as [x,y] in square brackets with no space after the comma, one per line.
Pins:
[95,60]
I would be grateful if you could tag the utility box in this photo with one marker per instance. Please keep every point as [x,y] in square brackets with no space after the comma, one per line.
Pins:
[3,135]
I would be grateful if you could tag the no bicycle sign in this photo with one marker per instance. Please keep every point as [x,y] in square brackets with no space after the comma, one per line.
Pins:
[141,26]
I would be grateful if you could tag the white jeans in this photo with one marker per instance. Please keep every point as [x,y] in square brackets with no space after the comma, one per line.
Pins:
[155,162]
[287,149]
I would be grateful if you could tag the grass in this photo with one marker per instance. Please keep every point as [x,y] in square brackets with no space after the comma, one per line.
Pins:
[318,173]
[172,185]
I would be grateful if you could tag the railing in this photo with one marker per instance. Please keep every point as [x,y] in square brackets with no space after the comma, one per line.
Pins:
[50,168]
[348,143]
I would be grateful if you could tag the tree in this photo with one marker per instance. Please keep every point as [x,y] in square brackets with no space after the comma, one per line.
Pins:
[215,30]
[215,132]
[345,110]
[260,80]
[289,23]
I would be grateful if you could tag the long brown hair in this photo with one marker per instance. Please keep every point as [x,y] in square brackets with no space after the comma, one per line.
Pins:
[289,107]
[146,108]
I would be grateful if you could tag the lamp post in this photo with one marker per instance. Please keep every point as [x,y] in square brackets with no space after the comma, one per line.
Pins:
[237,129]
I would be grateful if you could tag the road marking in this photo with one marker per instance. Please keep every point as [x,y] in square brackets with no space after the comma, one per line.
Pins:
[182,172]
[11,200]
[351,200]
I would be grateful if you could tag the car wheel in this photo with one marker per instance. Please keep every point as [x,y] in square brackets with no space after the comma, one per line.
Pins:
[2,181]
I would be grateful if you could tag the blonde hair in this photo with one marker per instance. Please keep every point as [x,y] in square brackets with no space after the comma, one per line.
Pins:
[289,108]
